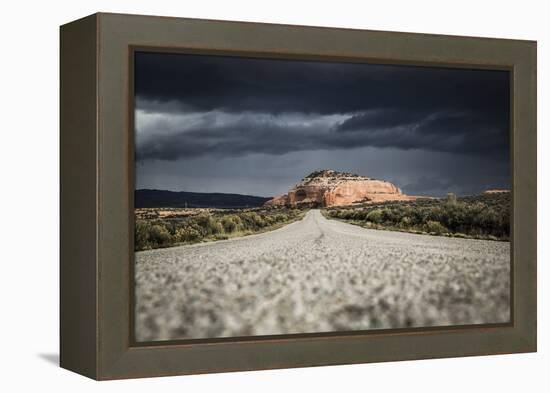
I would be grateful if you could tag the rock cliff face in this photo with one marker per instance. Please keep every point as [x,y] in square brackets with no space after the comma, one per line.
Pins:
[331,188]
[494,191]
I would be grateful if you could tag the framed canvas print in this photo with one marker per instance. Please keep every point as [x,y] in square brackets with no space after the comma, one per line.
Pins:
[240,196]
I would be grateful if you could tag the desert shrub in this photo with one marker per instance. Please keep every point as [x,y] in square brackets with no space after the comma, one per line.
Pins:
[209,225]
[190,228]
[259,222]
[141,235]
[268,220]
[375,216]
[451,199]
[344,214]
[216,227]
[187,234]
[281,217]
[229,224]
[159,235]
[358,214]
[347,214]
[484,216]
[435,227]
[389,215]
[487,219]
[405,222]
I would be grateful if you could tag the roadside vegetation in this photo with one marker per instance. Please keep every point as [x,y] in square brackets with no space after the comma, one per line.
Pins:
[485,216]
[168,227]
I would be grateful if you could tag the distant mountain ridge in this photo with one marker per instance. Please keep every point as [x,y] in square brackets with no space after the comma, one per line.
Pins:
[162,198]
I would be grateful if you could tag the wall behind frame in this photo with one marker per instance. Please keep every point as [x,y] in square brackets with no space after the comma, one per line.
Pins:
[30,172]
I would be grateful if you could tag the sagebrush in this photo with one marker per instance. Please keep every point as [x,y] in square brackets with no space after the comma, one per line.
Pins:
[482,216]
[207,225]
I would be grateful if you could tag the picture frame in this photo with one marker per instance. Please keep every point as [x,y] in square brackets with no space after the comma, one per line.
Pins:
[97,185]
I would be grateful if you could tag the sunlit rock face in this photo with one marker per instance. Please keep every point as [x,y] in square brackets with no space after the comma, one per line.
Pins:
[494,191]
[279,200]
[327,188]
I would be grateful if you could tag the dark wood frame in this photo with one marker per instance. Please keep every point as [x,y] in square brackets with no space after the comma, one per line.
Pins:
[97,190]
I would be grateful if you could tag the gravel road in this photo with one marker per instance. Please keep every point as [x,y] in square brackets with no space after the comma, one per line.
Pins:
[319,275]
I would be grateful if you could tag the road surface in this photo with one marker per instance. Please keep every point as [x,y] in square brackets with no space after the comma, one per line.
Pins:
[319,275]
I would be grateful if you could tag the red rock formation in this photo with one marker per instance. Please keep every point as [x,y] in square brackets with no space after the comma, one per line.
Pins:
[496,191]
[330,188]
[279,200]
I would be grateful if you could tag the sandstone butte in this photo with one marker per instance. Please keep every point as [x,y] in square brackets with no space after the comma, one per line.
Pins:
[496,191]
[328,188]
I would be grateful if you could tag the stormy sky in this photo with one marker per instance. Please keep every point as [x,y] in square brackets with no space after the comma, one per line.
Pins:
[256,126]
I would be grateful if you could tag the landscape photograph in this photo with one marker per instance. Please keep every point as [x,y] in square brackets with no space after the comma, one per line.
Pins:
[287,196]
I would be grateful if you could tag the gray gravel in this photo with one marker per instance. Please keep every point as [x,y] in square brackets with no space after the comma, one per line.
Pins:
[319,275]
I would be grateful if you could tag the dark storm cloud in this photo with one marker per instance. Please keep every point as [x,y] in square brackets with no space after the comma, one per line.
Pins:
[435,109]
[253,133]
[455,132]
[382,119]
[266,85]
[195,112]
